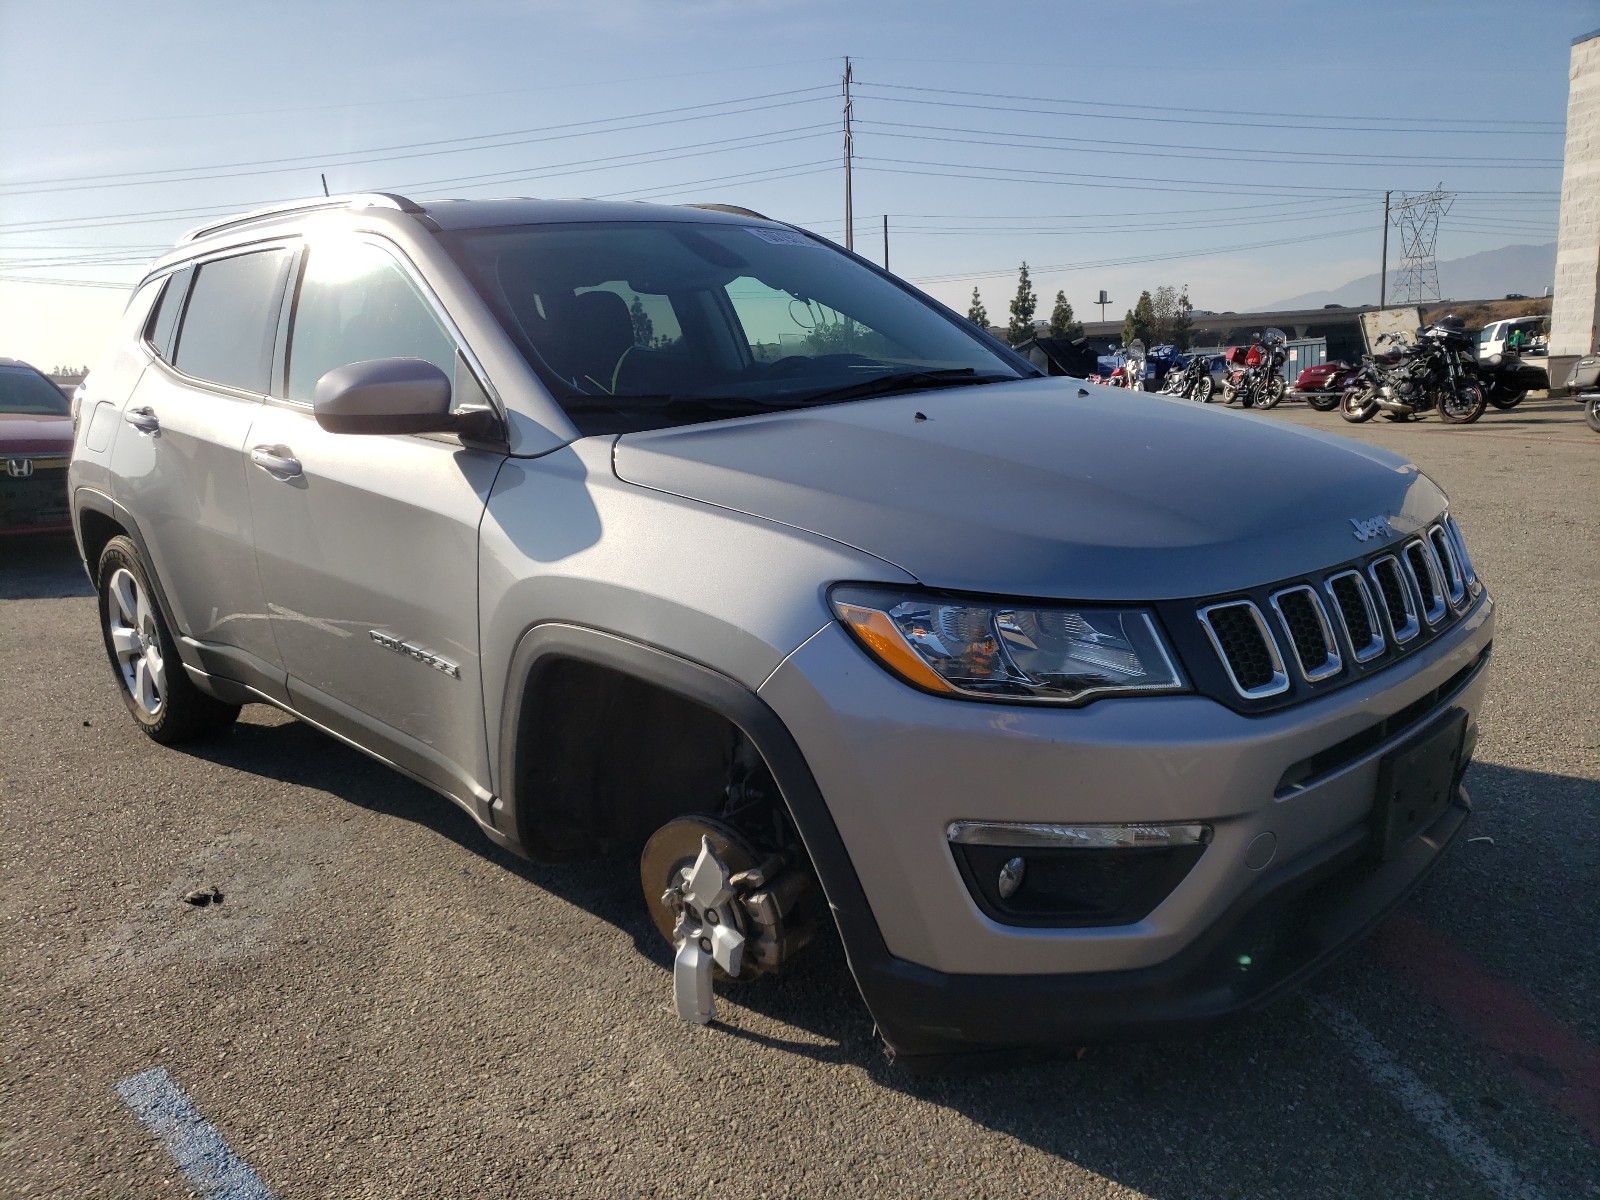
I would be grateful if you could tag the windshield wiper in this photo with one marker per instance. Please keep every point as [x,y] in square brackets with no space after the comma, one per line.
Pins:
[664,402]
[905,381]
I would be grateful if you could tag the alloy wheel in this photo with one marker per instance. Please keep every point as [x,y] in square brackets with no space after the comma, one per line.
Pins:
[135,641]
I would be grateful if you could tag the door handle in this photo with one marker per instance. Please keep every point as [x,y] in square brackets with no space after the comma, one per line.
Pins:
[142,419]
[283,466]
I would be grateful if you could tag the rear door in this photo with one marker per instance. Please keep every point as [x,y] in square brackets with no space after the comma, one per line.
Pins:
[179,466]
[367,545]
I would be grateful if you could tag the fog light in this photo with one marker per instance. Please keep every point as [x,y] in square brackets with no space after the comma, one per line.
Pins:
[1077,875]
[1011,877]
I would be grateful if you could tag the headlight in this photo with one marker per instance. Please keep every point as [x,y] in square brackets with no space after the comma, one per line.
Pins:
[996,650]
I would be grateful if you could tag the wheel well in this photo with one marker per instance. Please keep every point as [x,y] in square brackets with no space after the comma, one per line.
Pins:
[96,529]
[604,758]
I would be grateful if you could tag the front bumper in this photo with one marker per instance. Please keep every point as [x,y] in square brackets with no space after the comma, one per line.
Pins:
[1290,923]
[940,975]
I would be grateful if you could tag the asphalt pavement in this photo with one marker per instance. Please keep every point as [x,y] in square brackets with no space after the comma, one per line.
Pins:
[385,1005]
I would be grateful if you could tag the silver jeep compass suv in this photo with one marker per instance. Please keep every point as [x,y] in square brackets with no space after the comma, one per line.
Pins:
[1082,713]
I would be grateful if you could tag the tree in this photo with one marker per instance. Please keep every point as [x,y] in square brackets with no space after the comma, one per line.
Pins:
[1022,309]
[976,312]
[644,329]
[1139,324]
[1172,311]
[1062,322]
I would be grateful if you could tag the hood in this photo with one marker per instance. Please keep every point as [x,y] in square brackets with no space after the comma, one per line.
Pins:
[1048,488]
[28,433]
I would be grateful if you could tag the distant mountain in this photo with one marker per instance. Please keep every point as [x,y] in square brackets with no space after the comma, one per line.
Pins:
[1487,275]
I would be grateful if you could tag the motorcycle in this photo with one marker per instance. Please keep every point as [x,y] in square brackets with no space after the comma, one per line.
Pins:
[1322,385]
[1436,371]
[1257,381]
[1506,380]
[1583,381]
[1191,379]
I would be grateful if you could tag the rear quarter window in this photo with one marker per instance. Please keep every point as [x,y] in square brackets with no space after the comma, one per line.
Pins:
[228,323]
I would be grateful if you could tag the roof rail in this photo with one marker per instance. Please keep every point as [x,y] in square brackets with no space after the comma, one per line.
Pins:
[731,208]
[348,200]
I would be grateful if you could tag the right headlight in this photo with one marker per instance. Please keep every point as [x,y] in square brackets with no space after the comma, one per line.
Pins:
[1000,650]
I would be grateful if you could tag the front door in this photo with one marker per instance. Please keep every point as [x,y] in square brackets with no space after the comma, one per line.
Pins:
[367,546]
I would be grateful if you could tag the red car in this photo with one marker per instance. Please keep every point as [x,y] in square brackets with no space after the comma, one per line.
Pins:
[35,443]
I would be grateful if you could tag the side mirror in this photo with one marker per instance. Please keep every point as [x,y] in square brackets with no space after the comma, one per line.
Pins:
[384,395]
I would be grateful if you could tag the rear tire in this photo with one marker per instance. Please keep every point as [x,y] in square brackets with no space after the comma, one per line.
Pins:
[1323,401]
[1505,400]
[1357,405]
[1591,412]
[150,677]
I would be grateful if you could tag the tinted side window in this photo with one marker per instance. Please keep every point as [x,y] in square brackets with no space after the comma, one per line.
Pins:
[356,303]
[164,320]
[226,335]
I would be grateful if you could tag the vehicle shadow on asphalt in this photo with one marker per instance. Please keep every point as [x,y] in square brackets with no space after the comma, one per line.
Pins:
[41,568]
[1161,1118]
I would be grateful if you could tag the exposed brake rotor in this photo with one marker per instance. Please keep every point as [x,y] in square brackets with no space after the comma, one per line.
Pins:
[724,906]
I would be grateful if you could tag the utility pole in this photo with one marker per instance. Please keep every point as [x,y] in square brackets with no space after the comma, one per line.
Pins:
[1383,267]
[885,241]
[849,151]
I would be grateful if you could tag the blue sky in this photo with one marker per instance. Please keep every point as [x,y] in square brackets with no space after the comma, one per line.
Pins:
[1239,147]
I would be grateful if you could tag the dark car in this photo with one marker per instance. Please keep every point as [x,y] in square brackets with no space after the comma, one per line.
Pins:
[35,443]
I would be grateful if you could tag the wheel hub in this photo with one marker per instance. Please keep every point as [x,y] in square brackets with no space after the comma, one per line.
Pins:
[725,908]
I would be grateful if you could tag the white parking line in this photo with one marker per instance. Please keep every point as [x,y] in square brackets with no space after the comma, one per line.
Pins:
[1460,1140]
[194,1143]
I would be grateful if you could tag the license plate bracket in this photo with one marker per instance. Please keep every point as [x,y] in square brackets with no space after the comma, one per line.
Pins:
[1416,782]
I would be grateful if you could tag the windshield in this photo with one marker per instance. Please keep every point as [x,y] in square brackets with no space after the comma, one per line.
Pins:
[640,324]
[25,391]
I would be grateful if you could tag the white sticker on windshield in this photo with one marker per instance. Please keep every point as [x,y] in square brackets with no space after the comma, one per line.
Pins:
[781,237]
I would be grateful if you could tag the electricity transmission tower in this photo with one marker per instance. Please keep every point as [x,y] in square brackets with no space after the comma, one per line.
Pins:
[1417,218]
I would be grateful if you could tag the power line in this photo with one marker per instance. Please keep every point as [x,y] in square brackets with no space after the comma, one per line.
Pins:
[1213,153]
[1230,112]
[397,100]
[1275,122]
[1040,272]
[454,145]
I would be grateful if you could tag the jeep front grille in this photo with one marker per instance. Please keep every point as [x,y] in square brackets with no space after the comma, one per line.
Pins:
[1398,605]
[1455,579]
[1342,624]
[1425,576]
[1240,636]
[1352,598]
[1310,635]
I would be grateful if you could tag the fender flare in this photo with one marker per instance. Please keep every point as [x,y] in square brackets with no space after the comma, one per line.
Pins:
[91,500]
[546,644]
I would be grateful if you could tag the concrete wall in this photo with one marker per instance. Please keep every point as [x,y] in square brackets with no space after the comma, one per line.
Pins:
[1576,313]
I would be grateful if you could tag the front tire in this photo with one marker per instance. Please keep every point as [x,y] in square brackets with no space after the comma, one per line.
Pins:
[1463,406]
[144,657]
[1591,412]
[1273,392]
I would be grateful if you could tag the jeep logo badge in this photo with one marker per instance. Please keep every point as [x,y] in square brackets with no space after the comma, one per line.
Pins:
[1370,528]
[19,468]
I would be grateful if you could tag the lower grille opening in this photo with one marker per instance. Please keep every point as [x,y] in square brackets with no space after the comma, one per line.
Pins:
[1325,762]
